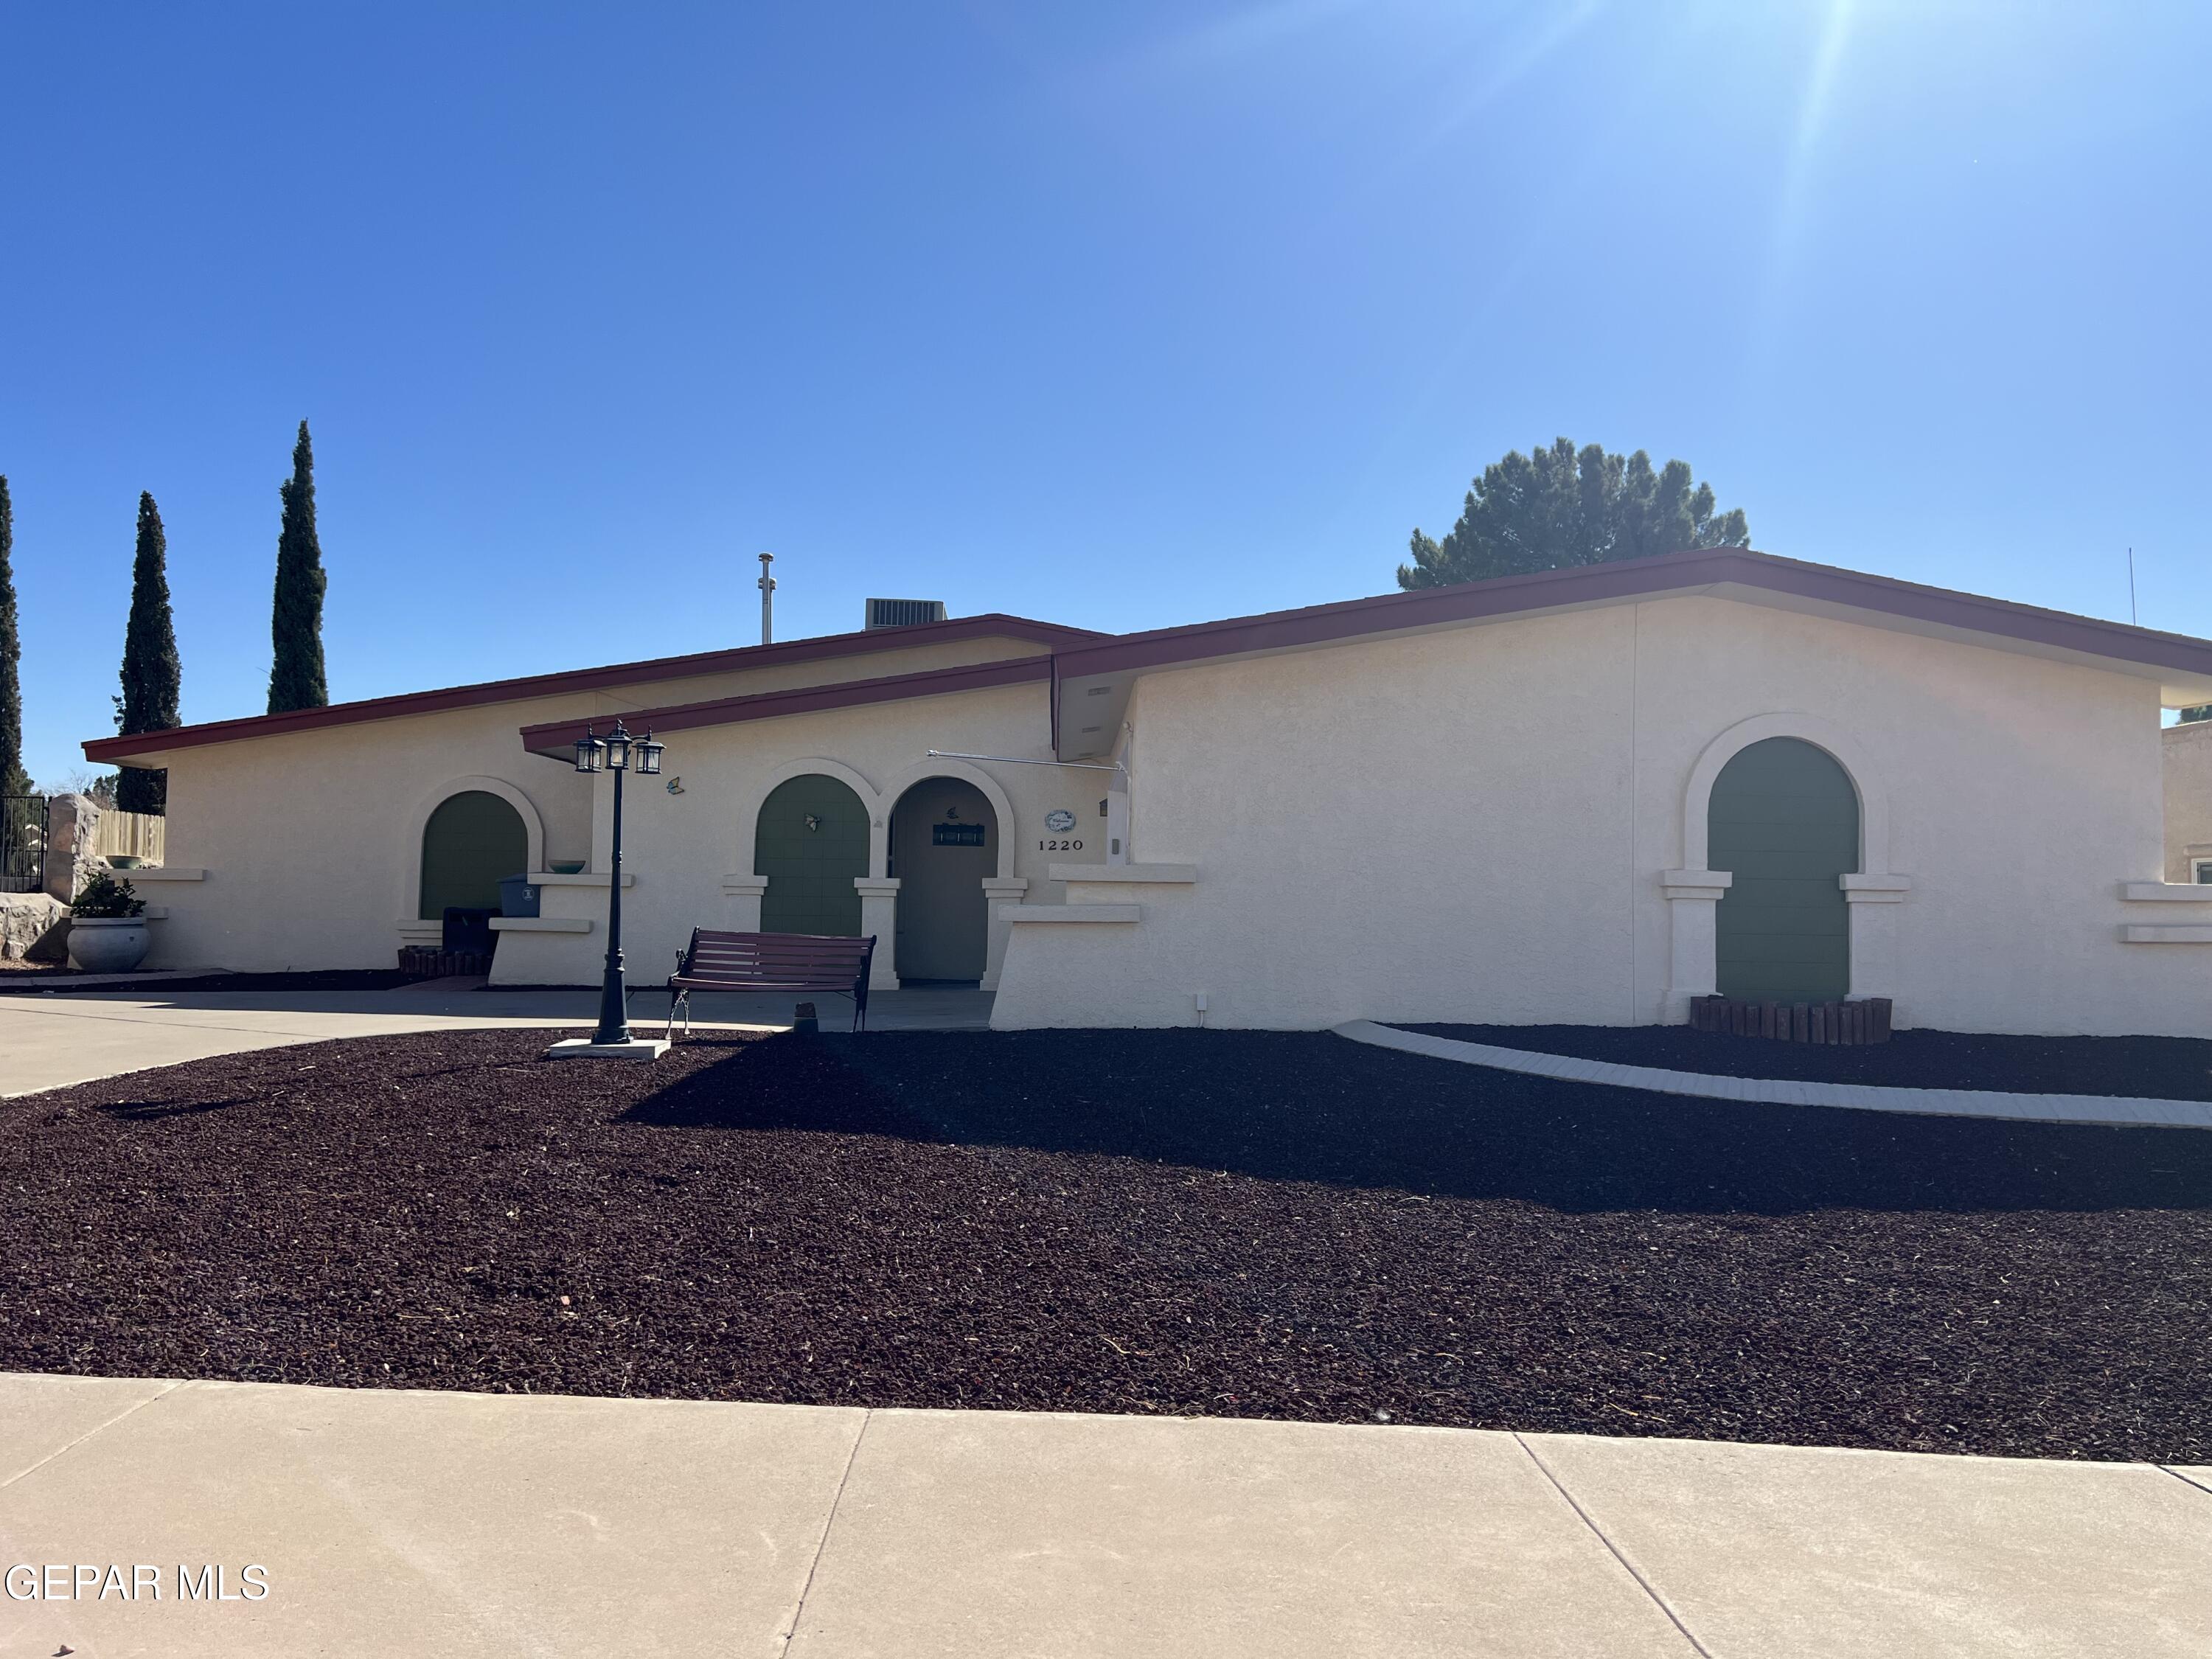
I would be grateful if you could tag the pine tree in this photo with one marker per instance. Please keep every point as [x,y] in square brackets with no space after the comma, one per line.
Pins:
[1559,506]
[151,672]
[13,779]
[295,677]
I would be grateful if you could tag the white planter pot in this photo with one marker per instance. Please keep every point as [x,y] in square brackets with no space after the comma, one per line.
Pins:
[107,944]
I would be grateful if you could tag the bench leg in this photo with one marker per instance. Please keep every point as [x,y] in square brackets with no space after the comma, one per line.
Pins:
[675,998]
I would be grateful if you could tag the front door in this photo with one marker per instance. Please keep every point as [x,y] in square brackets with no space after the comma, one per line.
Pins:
[944,844]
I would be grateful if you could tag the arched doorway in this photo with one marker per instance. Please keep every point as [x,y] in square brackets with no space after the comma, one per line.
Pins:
[1783,820]
[944,845]
[471,840]
[810,841]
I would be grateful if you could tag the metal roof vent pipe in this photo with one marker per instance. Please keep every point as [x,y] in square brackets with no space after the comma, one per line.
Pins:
[903,613]
[768,600]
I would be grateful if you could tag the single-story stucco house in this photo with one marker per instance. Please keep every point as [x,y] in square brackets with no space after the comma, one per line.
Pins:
[1581,796]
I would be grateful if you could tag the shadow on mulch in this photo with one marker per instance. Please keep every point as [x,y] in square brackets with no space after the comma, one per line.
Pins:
[142,1111]
[1291,1106]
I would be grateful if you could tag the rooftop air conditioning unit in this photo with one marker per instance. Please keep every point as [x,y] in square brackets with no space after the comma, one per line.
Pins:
[904,613]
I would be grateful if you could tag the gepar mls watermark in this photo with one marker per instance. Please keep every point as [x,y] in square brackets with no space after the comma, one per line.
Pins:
[82,1581]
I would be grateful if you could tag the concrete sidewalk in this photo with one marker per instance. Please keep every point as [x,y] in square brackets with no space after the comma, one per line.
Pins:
[50,1041]
[390,1523]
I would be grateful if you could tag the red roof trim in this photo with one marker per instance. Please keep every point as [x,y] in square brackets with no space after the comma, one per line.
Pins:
[1325,624]
[552,735]
[586,679]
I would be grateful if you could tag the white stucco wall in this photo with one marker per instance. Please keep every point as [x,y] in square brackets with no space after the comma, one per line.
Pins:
[310,841]
[1472,825]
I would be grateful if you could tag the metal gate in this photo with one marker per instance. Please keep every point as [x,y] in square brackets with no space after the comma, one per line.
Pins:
[22,843]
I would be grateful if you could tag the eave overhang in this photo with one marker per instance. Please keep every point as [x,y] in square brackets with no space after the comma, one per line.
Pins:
[556,740]
[1093,681]
[148,749]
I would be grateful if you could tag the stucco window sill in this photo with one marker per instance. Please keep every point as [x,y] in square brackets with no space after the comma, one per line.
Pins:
[1066,913]
[1874,890]
[2165,892]
[2144,935]
[1703,884]
[541,924]
[581,879]
[161,872]
[1165,875]
[745,886]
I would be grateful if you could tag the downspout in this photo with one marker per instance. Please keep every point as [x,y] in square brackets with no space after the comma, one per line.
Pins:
[1117,802]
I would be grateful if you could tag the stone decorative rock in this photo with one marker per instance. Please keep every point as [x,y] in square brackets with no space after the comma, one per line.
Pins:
[72,832]
[26,919]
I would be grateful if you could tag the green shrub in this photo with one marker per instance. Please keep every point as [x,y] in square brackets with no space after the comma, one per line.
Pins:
[103,897]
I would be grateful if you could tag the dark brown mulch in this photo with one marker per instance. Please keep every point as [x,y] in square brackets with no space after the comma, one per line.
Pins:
[33,980]
[2160,1068]
[1227,1223]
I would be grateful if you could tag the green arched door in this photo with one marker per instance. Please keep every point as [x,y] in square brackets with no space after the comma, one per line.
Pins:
[1785,822]
[472,840]
[811,842]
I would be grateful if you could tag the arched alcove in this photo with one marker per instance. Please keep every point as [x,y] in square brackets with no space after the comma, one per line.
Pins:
[408,865]
[1841,744]
[810,841]
[1002,806]
[471,839]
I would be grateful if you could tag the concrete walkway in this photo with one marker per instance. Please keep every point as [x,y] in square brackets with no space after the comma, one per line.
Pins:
[391,1523]
[48,1041]
[2125,1110]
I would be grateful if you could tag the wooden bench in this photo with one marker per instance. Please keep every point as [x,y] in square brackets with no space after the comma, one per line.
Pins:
[771,962]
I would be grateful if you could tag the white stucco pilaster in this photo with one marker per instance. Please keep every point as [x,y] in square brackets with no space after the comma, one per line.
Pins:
[1873,902]
[880,916]
[741,897]
[1694,899]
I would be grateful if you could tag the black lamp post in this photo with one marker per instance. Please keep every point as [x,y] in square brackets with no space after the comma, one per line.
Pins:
[617,753]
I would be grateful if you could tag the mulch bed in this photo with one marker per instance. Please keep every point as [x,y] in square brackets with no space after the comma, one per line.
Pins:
[1241,1223]
[2160,1068]
[32,981]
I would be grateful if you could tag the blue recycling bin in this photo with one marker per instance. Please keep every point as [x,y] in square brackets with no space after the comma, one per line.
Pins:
[518,895]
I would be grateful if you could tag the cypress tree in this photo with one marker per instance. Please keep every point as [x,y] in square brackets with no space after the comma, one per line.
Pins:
[295,677]
[13,779]
[151,672]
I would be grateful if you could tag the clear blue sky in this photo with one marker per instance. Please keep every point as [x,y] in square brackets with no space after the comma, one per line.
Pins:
[1118,315]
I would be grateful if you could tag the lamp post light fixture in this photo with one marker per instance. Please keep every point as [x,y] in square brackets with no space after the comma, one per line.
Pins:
[618,753]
